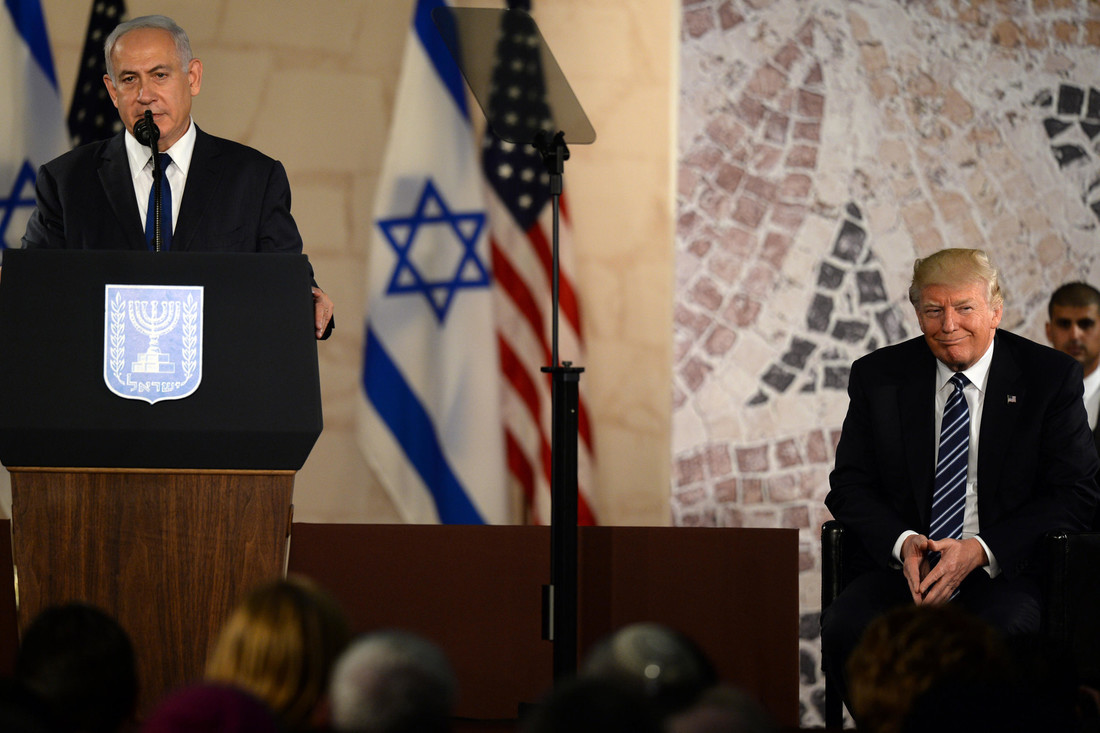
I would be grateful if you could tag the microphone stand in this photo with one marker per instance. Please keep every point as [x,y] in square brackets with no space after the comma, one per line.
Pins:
[147,133]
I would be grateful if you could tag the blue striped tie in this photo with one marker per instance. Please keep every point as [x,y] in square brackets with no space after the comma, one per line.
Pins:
[949,494]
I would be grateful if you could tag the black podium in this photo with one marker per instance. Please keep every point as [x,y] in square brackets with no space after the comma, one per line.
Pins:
[153,412]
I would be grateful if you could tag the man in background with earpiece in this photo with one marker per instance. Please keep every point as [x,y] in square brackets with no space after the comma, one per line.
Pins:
[1074,328]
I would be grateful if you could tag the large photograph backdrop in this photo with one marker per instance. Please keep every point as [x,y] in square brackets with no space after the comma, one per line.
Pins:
[822,147]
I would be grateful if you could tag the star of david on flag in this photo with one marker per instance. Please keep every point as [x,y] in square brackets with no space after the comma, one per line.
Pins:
[430,420]
[31,120]
[445,259]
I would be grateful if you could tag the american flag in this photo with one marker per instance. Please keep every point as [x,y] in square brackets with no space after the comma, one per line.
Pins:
[92,116]
[520,240]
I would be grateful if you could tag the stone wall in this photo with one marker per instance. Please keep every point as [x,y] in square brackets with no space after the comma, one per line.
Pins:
[824,145]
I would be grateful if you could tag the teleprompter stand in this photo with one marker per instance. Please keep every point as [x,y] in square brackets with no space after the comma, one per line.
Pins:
[524,96]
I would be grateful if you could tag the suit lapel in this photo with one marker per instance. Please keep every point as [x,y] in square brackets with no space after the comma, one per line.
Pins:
[202,180]
[916,403]
[118,185]
[1003,393]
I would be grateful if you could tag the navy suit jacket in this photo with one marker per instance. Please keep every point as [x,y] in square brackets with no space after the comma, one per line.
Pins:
[236,200]
[1036,458]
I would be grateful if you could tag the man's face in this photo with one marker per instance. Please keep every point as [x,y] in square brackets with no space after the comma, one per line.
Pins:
[958,322]
[1076,331]
[149,77]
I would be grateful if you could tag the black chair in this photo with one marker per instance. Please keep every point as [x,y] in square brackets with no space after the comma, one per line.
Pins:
[1071,612]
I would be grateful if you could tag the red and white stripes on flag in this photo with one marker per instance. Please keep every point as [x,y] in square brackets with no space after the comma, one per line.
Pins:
[520,216]
[522,272]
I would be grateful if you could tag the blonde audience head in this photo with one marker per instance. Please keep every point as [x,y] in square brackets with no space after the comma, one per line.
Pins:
[280,644]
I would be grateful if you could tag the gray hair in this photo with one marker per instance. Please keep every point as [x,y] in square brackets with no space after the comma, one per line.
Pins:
[392,681]
[161,22]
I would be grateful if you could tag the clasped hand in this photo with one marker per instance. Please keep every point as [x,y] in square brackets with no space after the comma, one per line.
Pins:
[934,584]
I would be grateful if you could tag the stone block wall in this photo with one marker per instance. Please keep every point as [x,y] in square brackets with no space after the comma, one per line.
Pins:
[823,146]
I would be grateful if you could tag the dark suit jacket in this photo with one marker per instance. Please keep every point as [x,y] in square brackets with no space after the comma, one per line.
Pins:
[237,200]
[1096,439]
[1036,459]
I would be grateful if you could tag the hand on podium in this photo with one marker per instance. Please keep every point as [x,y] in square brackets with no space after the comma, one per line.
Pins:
[323,311]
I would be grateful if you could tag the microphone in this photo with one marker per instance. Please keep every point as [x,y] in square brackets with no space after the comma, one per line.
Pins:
[146,131]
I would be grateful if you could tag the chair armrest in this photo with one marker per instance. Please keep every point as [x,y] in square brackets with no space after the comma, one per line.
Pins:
[1072,604]
[832,561]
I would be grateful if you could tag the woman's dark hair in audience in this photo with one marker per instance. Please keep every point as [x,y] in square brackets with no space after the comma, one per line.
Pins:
[79,662]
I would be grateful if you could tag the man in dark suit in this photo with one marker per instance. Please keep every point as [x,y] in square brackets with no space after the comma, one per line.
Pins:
[1024,461]
[219,195]
[1074,327]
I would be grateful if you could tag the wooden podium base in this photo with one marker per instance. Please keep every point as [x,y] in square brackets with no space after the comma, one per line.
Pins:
[167,553]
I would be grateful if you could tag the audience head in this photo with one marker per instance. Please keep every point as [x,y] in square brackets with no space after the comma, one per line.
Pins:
[206,708]
[80,662]
[593,705]
[722,710]
[666,666]
[1074,325]
[280,644]
[21,711]
[912,649]
[392,682]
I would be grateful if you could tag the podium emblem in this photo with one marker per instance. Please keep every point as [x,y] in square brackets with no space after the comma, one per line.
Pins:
[152,341]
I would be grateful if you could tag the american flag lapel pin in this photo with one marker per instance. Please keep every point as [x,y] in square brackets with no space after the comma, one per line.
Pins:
[1012,399]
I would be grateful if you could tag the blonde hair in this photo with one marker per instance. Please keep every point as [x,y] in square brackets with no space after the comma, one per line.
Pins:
[956,267]
[280,644]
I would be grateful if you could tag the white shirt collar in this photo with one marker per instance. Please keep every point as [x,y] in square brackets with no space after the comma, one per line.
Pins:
[140,156]
[978,373]
[1092,383]
[1092,397]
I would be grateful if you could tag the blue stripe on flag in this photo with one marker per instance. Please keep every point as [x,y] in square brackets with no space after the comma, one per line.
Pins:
[31,25]
[412,427]
[437,51]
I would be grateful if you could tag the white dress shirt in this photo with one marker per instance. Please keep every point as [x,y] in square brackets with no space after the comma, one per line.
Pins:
[1092,397]
[141,170]
[974,393]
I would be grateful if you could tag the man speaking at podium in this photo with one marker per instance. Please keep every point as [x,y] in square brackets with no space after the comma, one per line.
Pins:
[216,195]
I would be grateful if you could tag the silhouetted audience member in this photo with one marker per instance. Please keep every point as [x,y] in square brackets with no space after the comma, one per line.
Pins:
[593,705]
[392,682]
[207,708]
[911,650]
[722,709]
[21,711]
[665,665]
[280,644]
[80,662]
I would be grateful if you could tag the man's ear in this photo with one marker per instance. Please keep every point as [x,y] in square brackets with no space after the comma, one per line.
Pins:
[111,89]
[194,76]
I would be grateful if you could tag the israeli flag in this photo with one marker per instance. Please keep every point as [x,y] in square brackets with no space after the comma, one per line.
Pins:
[31,122]
[431,423]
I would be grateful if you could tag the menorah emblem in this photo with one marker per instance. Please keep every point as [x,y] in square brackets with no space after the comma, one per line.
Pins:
[170,319]
[154,318]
